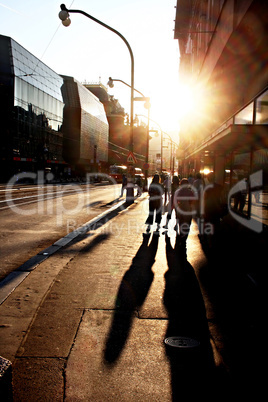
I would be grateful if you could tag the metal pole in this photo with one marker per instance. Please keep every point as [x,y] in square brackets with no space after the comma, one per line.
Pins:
[162,132]
[161,153]
[147,151]
[63,8]
[147,131]
[170,155]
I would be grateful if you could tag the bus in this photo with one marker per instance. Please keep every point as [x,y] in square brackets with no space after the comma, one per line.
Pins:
[117,171]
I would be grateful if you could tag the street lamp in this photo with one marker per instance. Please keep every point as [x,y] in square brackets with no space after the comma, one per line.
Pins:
[64,16]
[110,84]
[147,105]
[161,166]
[161,146]
[171,152]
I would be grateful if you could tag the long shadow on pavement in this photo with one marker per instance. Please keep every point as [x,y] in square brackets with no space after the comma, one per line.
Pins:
[132,293]
[193,369]
[234,281]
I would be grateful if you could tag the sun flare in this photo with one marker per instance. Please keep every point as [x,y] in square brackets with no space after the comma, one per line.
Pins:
[174,104]
[186,101]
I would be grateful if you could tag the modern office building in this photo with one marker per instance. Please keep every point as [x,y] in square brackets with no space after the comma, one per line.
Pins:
[31,112]
[48,122]
[85,128]
[224,58]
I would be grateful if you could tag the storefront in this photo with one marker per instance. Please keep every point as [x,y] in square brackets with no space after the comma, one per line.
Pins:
[236,152]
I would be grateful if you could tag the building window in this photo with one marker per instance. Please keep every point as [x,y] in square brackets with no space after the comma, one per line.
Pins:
[245,116]
[262,109]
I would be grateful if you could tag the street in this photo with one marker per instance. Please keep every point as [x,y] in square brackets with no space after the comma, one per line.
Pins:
[33,217]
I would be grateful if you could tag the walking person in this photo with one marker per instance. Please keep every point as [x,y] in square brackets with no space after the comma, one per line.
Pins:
[241,195]
[174,187]
[167,189]
[156,191]
[124,184]
[215,207]
[198,185]
[183,200]
[139,186]
[191,179]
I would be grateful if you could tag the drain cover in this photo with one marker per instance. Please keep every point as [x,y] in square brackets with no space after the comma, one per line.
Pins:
[182,342]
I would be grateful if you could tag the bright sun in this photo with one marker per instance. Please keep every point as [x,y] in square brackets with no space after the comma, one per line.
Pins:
[186,101]
[172,105]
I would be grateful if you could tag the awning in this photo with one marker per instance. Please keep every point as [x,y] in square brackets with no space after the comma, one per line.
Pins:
[234,138]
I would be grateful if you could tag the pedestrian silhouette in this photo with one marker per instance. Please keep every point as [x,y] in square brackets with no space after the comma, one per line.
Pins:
[183,200]
[241,195]
[124,184]
[214,205]
[156,191]
[139,185]
[174,186]
[167,189]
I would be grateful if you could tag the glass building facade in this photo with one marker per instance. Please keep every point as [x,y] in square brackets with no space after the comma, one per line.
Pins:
[34,101]
[31,112]
[85,127]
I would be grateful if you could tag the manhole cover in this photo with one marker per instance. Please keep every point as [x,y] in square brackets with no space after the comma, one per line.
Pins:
[182,342]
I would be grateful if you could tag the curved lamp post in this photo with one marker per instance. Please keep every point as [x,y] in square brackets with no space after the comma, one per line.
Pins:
[65,18]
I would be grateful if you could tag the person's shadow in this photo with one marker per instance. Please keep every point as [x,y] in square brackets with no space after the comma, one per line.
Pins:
[192,369]
[132,293]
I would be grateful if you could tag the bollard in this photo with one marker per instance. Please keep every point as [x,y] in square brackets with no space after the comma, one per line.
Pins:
[5,379]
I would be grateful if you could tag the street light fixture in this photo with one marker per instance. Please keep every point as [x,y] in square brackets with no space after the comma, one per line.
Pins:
[147,106]
[65,18]
[161,146]
[110,83]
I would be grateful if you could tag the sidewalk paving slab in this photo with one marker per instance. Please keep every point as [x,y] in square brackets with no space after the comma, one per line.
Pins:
[103,321]
[19,309]
[133,377]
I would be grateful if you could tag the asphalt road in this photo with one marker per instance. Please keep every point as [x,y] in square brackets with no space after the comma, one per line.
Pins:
[34,217]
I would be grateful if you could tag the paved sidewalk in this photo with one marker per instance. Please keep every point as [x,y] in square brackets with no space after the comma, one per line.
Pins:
[89,323]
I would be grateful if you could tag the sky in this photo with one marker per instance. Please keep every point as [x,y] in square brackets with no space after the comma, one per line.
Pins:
[92,53]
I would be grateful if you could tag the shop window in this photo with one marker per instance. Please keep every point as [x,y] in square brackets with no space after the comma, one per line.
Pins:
[240,199]
[245,116]
[262,109]
[259,201]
